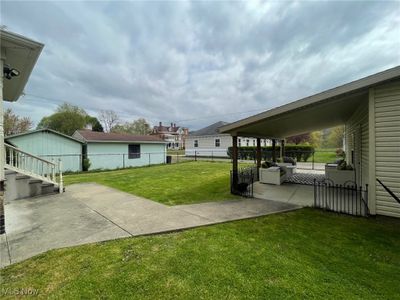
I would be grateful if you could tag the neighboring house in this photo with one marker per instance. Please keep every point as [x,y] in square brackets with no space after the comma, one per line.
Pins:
[370,110]
[209,142]
[173,135]
[114,150]
[52,146]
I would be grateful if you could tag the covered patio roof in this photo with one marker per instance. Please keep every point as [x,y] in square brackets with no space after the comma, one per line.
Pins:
[323,110]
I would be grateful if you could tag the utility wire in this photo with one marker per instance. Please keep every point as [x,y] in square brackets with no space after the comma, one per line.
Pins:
[174,121]
[222,115]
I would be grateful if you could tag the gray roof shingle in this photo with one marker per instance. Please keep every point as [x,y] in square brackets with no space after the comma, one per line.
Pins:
[94,136]
[209,130]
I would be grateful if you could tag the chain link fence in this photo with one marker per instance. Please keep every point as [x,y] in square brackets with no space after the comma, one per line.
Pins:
[74,162]
[108,161]
[308,160]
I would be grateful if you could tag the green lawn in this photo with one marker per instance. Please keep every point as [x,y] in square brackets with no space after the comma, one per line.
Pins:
[301,254]
[324,156]
[183,183]
[176,152]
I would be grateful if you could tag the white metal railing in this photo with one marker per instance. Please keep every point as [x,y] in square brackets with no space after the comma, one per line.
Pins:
[34,166]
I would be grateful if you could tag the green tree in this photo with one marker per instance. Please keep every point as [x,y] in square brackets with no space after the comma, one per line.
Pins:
[44,123]
[138,127]
[316,139]
[69,108]
[335,137]
[94,122]
[67,119]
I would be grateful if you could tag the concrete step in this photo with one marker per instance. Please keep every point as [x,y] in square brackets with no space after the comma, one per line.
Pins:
[35,187]
[10,172]
[22,186]
[19,186]
[10,186]
[48,188]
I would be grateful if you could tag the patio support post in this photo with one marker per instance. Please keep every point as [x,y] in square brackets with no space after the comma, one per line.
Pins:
[234,161]
[273,150]
[282,149]
[258,153]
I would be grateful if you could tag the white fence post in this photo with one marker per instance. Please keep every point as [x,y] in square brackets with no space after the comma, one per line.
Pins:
[61,185]
[53,171]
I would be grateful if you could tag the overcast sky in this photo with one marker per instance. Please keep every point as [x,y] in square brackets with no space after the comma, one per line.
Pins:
[195,63]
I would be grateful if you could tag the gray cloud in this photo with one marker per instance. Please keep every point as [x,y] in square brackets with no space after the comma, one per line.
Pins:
[174,61]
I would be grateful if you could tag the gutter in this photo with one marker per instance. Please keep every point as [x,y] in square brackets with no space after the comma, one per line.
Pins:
[125,142]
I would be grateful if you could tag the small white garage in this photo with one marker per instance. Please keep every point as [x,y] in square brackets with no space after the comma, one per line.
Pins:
[52,146]
[114,150]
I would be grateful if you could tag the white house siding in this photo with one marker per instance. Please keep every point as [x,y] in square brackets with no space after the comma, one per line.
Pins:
[115,155]
[387,147]
[357,140]
[51,146]
[206,144]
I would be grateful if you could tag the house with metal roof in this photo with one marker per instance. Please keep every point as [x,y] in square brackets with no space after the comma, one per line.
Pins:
[116,150]
[208,141]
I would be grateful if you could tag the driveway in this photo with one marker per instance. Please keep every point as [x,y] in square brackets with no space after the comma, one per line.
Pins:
[89,213]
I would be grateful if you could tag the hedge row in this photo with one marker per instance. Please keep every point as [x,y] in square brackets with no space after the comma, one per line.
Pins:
[299,152]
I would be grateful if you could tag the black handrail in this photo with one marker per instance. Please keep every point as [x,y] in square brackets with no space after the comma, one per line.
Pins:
[389,191]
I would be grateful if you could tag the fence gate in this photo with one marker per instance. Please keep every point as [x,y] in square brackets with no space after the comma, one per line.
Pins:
[245,179]
[347,198]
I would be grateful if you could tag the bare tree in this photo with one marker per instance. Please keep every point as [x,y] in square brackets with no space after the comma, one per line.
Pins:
[109,119]
[14,124]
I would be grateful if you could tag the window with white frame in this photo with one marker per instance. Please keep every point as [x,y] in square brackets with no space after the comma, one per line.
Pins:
[196,143]
[217,142]
[254,142]
[247,142]
[239,142]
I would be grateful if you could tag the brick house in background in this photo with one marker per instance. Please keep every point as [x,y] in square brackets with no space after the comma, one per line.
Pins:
[175,136]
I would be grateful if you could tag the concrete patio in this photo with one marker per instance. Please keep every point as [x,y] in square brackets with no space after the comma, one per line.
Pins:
[89,213]
[295,194]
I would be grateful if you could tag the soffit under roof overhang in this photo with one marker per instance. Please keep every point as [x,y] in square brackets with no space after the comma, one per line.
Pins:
[324,114]
[19,53]
[323,110]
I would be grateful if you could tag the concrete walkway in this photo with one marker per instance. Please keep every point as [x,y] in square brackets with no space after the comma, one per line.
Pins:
[89,213]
